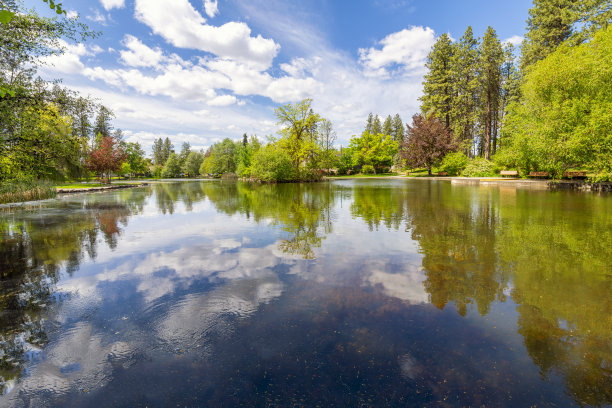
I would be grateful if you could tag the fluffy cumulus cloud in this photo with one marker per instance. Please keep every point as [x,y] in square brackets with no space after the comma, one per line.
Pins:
[211,8]
[139,55]
[110,4]
[183,26]
[405,49]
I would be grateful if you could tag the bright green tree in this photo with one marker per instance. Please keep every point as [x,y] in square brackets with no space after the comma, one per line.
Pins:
[297,139]
[172,167]
[373,150]
[192,163]
[565,117]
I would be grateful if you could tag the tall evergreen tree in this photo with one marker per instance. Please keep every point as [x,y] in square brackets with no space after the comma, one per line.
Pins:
[167,149]
[185,150]
[369,123]
[465,80]
[158,152]
[387,128]
[397,126]
[437,96]
[103,124]
[549,24]
[376,126]
[245,140]
[491,60]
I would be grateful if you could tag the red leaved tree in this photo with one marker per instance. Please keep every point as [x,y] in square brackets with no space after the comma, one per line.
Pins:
[108,157]
[427,142]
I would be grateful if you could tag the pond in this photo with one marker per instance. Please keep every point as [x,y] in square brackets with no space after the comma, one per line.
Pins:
[344,293]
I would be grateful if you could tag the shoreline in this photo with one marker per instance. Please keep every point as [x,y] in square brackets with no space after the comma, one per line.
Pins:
[95,189]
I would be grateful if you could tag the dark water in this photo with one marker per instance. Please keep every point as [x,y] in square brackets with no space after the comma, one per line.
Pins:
[347,293]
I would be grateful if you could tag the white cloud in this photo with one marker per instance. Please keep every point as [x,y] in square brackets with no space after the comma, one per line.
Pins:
[407,48]
[211,8]
[222,100]
[138,54]
[97,17]
[72,14]
[182,26]
[515,40]
[110,4]
[69,62]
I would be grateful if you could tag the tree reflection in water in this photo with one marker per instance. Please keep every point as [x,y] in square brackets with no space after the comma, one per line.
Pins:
[34,249]
[548,253]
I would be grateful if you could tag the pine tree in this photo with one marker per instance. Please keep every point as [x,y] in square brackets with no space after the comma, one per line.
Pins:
[491,60]
[167,150]
[465,79]
[369,123]
[185,150]
[158,152]
[548,25]
[376,126]
[103,122]
[387,128]
[397,128]
[437,96]
[245,140]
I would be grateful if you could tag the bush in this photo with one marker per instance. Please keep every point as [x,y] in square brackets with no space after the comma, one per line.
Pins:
[272,164]
[479,167]
[367,169]
[454,163]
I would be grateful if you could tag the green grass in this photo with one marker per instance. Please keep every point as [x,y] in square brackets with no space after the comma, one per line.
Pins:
[359,175]
[81,185]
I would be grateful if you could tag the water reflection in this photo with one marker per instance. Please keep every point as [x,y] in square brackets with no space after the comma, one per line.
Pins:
[354,292]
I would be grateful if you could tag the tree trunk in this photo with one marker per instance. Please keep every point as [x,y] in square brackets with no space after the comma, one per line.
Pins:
[429,171]
[487,149]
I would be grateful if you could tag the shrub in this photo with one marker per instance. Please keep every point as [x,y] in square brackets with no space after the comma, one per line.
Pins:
[454,163]
[367,169]
[272,164]
[479,167]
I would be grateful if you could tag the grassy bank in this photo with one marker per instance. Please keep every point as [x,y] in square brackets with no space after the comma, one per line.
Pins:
[25,190]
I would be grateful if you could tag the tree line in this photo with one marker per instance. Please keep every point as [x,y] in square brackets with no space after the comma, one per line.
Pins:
[548,111]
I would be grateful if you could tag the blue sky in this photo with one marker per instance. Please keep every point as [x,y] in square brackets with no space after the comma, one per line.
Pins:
[199,71]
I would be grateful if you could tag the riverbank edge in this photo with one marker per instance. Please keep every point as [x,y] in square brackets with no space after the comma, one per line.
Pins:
[576,185]
[94,189]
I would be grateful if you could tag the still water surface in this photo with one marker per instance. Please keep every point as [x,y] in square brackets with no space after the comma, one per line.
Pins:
[343,293]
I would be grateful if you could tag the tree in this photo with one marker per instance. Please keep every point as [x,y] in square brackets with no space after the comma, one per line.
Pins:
[221,159]
[192,164]
[466,86]
[172,167]
[559,123]
[297,139]
[103,125]
[327,137]
[373,150]
[438,86]
[135,158]
[387,127]
[158,152]
[491,60]
[107,158]
[427,141]
[397,128]
[271,163]
[551,22]
[167,149]
[185,150]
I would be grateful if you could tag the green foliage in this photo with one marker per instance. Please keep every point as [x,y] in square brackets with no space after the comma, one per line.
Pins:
[172,168]
[244,153]
[367,169]
[565,118]
[221,159]
[376,150]
[479,167]
[299,136]
[272,164]
[438,84]
[453,163]
[345,161]
[192,164]
[135,158]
